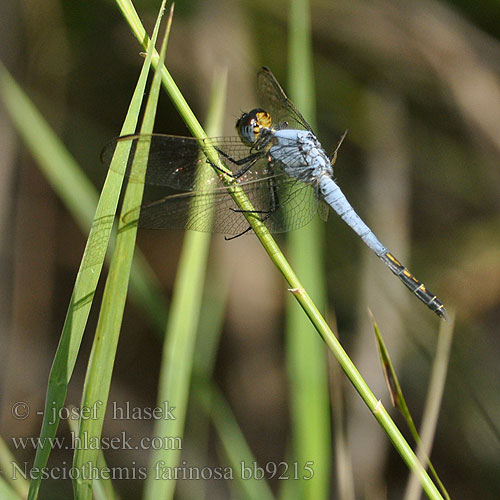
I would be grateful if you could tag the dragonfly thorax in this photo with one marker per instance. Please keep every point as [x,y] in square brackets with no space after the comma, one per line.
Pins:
[250,125]
[301,155]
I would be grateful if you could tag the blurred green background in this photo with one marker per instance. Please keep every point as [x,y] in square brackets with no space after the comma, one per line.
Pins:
[418,86]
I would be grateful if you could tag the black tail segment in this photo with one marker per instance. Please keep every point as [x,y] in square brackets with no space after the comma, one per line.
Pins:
[418,288]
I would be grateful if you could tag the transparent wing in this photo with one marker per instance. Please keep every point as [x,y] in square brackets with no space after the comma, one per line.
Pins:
[292,206]
[283,202]
[175,161]
[323,210]
[274,100]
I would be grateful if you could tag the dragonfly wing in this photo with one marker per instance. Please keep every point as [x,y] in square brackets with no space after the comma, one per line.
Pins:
[275,101]
[172,161]
[297,206]
[176,161]
[191,210]
[323,210]
[292,205]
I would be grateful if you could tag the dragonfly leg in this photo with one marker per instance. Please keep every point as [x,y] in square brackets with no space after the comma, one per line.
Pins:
[229,238]
[247,162]
[240,211]
[273,206]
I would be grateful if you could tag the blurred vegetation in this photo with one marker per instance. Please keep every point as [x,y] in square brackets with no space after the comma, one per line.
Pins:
[418,86]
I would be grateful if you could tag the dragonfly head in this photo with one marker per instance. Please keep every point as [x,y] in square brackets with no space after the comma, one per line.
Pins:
[250,125]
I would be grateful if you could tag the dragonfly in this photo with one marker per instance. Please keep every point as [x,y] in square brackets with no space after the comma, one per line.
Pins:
[276,160]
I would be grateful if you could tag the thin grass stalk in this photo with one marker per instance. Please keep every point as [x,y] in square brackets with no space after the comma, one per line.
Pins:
[306,357]
[397,396]
[210,322]
[103,486]
[235,449]
[302,296]
[100,367]
[210,327]
[233,442]
[180,337]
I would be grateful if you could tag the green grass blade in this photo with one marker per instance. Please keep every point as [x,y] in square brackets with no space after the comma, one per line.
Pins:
[103,486]
[210,327]
[398,399]
[431,410]
[100,367]
[80,197]
[211,324]
[6,492]
[12,484]
[344,484]
[178,350]
[306,359]
[304,299]
[390,376]
[235,446]
[77,192]
[55,162]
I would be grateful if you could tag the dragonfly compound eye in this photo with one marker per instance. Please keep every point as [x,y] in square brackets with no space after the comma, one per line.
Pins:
[249,125]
